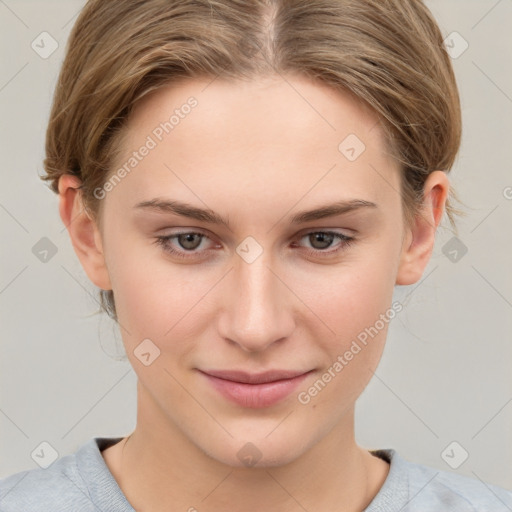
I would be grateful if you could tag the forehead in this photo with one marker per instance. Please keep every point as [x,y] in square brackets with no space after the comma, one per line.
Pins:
[299,105]
[286,133]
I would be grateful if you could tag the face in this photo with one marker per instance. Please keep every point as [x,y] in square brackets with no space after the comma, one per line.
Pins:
[254,284]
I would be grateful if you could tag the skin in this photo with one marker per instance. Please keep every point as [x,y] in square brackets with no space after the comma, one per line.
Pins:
[255,152]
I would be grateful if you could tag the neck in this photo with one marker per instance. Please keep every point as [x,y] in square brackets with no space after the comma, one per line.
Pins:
[158,468]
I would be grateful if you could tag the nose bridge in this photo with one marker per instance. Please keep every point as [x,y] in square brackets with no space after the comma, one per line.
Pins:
[256,314]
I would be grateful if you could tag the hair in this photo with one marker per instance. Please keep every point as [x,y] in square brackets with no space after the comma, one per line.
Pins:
[388,53]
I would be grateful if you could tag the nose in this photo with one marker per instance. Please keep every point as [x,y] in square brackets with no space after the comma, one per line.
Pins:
[257,307]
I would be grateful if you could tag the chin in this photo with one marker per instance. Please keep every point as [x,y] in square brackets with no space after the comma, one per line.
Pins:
[260,453]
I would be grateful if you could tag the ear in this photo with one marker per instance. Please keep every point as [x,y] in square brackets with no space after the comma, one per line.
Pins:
[83,231]
[420,238]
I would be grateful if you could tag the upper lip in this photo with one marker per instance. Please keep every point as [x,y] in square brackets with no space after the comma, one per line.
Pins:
[254,378]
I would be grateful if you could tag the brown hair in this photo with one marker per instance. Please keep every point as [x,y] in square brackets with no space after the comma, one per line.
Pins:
[388,53]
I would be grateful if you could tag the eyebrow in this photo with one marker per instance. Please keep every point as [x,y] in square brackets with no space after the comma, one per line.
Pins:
[209,216]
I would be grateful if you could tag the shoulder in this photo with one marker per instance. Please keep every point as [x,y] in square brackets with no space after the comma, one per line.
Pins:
[44,489]
[425,488]
[61,486]
[446,488]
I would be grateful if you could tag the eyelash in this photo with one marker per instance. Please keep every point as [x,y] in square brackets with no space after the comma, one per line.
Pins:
[163,241]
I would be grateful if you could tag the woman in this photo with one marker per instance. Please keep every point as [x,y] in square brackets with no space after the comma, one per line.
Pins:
[246,182]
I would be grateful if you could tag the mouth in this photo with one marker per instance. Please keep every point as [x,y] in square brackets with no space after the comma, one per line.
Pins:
[254,390]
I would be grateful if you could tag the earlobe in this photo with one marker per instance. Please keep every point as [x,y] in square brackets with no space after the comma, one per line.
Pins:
[83,231]
[420,238]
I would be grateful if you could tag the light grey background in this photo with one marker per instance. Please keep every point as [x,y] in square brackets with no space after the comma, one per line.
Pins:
[446,371]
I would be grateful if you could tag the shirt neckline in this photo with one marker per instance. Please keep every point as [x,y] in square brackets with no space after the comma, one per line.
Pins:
[105,491]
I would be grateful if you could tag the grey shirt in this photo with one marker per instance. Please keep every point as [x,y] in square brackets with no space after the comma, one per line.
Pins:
[82,482]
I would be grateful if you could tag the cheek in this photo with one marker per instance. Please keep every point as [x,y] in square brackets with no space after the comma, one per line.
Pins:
[354,296]
[155,298]
[352,355]
[357,306]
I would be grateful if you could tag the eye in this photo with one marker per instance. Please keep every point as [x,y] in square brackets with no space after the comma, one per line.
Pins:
[189,243]
[321,240]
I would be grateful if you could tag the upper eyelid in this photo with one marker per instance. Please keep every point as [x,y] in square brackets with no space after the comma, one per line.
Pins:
[189,229]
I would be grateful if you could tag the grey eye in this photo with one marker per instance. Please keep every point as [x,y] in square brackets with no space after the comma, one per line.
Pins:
[320,240]
[186,240]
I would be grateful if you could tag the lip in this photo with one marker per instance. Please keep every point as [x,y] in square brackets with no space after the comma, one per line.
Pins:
[255,390]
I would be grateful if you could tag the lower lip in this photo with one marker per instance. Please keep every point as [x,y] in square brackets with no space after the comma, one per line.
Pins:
[255,396]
